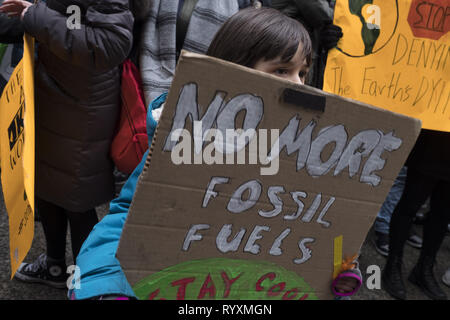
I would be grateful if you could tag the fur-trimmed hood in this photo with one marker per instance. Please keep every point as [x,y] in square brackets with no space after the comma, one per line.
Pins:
[140,8]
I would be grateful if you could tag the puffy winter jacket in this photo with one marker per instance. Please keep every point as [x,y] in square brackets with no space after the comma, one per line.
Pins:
[77,92]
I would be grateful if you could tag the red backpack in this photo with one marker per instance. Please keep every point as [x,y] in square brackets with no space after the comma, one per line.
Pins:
[130,141]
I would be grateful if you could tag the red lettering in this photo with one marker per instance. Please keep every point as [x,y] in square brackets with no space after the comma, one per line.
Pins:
[304,297]
[207,287]
[429,19]
[154,294]
[290,294]
[276,289]
[270,275]
[228,283]
[181,293]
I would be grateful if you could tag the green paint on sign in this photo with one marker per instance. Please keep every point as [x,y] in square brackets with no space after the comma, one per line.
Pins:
[219,278]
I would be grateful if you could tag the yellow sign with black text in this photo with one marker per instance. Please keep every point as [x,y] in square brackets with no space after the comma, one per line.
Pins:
[394,55]
[17,154]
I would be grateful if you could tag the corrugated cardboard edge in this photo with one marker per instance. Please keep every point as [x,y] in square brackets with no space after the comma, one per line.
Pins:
[138,184]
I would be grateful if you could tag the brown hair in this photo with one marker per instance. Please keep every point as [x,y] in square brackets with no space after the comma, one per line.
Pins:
[254,34]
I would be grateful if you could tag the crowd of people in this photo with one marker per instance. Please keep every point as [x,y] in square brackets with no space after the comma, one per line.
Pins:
[77,87]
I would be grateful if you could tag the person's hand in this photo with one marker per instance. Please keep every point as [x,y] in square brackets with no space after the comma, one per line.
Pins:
[15,8]
[330,35]
[346,285]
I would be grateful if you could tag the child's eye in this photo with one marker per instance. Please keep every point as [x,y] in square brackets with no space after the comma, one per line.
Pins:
[281,71]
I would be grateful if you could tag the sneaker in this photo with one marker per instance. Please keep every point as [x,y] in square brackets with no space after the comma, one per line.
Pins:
[44,270]
[446,277]
[381,242]
[414,241]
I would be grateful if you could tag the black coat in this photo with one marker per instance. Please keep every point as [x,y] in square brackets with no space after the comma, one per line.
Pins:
[11,29]
[431,154]
[77,86]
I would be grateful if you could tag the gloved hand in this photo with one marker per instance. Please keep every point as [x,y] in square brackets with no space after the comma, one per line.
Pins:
[330,35]
[346,284]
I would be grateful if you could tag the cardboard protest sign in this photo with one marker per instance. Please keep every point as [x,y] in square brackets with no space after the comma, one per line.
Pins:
[17,154]
[201,227]
[394,55]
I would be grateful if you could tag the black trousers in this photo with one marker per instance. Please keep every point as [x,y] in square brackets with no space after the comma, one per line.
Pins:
[54,222]
[418,187]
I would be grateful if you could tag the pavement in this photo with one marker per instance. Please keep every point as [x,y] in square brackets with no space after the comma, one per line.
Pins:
[16,290]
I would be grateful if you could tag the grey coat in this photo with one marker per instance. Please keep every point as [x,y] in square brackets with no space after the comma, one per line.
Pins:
[77,87]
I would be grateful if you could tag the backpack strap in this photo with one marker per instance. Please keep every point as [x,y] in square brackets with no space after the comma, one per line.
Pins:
[184,16]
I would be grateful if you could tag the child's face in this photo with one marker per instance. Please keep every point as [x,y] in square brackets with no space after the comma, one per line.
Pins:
[294,70]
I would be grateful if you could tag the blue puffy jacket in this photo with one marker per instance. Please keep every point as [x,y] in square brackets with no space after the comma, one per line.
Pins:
[100,271]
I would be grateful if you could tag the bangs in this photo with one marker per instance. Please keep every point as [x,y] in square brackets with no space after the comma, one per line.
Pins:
[284,39]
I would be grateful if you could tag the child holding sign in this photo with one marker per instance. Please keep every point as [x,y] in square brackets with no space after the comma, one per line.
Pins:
[262,39]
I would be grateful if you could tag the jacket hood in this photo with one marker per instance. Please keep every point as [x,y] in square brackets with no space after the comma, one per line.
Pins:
[140,8]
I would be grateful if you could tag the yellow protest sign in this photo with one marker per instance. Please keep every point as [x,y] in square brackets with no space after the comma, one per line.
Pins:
[394,55]
[17,154]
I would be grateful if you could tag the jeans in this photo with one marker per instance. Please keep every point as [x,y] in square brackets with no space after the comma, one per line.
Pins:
[384,215]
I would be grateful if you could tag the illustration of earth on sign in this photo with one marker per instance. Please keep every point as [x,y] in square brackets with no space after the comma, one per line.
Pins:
[224,279]
[367,25]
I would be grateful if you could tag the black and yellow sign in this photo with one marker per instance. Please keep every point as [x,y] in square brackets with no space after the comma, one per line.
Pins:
[17,154]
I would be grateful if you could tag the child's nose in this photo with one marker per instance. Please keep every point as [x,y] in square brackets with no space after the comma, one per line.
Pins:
[296,78]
